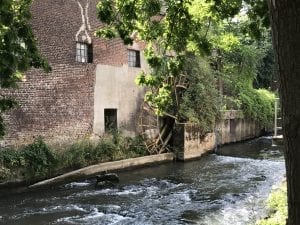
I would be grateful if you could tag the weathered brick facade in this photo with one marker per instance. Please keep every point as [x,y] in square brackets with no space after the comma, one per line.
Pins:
[56,23]
[60,105]
[55,105]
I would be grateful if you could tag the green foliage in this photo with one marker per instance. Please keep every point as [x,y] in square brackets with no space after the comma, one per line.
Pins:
[36,160]
[226,8]
[18,51]
[257,12]
[169,40]
[190,29]
[39,159]
[277,203]
[107,148]
[266,75]
[259,18]
[258,104]
[231,103]
[200,101]
[77,155]
[11,158]
[241,59]
[137,146]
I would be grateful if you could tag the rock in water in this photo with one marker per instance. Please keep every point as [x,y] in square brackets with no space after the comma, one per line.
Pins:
[105,180]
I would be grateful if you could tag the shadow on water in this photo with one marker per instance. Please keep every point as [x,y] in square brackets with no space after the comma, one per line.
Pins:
[260,148]
[219,189]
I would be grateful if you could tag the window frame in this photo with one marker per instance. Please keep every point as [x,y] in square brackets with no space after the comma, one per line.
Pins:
[134,58]
[84,52]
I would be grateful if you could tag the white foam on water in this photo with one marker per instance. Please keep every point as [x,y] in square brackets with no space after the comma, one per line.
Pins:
[130,192]
[77,184]
[69,220]
[60,208]
[47,210]
[94,214]
[94,217]
[113,207]
[183,196]
[88,193]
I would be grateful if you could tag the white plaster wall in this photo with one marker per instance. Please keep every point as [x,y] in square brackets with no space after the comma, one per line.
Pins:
[115,88]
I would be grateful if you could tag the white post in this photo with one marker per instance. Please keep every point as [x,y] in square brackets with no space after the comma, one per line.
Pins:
[275,117]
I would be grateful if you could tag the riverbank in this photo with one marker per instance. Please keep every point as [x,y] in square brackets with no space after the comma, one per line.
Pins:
[39,165]
[213,190]
[90,171]
[277,206]
[26,165]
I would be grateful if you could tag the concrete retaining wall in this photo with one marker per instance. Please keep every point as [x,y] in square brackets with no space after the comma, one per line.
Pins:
[189,144]
[232,128]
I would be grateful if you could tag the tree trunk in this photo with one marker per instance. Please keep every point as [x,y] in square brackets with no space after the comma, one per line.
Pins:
[285,19]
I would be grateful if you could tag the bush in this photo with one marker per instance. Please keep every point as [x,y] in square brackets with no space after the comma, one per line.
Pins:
[11,158]
[258,104]
[77,155]
[33,161]
[199,103]
[137,146]
[277,203]
[105,149]
[39,159]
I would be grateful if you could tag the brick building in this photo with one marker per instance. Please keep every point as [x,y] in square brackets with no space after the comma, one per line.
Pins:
[91,87]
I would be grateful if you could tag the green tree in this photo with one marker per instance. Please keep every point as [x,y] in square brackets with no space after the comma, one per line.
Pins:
[177,29]
[18,49]
[173,43]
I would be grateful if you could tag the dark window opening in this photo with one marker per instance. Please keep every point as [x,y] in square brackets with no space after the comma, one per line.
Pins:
[110,119]
[84,52]
[233,124]
[134,58]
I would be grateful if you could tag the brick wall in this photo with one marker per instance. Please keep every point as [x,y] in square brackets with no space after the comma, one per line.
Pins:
[56,23]
[59,105]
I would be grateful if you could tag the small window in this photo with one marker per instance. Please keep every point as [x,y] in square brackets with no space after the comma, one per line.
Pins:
[84,52]
[134,58]
[110,119]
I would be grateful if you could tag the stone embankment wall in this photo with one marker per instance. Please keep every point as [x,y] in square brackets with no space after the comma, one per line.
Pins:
[232,128]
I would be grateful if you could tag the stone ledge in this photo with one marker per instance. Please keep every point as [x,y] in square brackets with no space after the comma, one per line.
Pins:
[90,171]
[233,114]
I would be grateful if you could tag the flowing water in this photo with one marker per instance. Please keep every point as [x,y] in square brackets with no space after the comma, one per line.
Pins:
[229,187]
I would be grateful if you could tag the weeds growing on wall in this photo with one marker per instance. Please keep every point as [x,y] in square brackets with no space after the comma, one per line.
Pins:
[38,160]
[258,104]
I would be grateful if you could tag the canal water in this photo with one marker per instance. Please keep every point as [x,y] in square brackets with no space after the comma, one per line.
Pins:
[229,187]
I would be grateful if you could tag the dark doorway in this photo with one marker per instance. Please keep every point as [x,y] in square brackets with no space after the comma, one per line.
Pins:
[110,120]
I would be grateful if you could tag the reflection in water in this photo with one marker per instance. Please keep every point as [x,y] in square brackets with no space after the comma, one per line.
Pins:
[216,190]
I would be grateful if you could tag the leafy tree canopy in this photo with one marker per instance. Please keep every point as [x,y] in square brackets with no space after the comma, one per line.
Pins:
[173,30]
